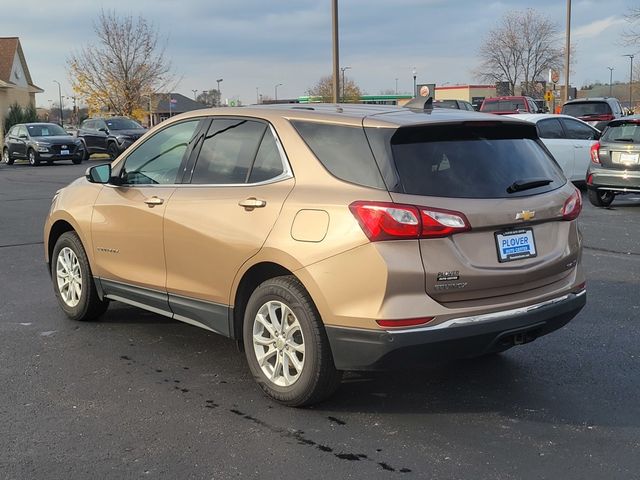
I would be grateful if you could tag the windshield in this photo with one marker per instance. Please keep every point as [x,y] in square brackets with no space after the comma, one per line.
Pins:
[622,133]
[473,162]
[46,130]
[122,124]
[503,105]
[584,109]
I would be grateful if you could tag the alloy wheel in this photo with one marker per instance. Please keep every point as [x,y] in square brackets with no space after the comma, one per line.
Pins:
[69,277]
[278,343]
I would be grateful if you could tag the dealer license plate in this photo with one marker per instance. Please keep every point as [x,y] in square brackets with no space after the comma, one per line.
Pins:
[64,152]
[628,158]
[515,245]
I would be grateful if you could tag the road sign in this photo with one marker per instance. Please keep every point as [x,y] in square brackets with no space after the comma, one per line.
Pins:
[548,95]
[555,76]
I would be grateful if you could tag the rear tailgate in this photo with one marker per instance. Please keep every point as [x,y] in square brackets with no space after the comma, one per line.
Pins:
[518,238]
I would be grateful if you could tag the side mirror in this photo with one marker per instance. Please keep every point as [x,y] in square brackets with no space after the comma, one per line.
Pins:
[103,129]
[99,173]
[22,136]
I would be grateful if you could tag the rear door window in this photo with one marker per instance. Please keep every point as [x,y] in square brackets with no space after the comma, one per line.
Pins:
[467,161]
[550,128]
[343,150]
[577,131]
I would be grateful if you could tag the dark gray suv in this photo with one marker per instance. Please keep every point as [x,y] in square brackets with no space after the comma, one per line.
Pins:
[111,135]
[615,162]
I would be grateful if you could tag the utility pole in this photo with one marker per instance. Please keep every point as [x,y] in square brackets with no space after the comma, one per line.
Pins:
[276,91]
[630,80]
[342,69]
[60,96]
[396,86]
[567,53]
[415,85]
[218,81]
[336,50]
[610,78]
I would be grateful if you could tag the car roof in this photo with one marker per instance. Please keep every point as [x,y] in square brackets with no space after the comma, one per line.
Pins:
[592,99]
[352,114]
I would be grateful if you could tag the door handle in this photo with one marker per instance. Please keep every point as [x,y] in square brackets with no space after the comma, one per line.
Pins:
[251,203]
[153,201]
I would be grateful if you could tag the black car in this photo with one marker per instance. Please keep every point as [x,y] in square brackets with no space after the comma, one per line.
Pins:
[38,142]
[111,135]
[615,162]
[597,112]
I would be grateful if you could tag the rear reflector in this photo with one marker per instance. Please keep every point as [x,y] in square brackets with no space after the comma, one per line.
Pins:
[405,322]
[580,287]
[394,221]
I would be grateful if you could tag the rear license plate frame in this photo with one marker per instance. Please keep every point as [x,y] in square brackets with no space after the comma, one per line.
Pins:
[512,252]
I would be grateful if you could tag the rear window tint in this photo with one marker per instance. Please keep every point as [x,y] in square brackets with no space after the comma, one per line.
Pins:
[465,161]
[626,132]
[586,108]
[343,150]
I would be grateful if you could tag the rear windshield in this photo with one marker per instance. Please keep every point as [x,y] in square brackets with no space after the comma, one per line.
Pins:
[471,161]
[445,104]
[626,132]
[583,109]
[503,105]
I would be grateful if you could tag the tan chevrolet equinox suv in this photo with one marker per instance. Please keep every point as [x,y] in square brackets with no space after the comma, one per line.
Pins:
[326,238]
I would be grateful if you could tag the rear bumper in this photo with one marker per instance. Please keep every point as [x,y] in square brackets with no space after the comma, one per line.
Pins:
[360,349]
[615,180]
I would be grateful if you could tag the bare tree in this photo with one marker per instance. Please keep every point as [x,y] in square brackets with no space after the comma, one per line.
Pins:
[324,89]
[210,98]
[631,35]
[125,65]
[520,49]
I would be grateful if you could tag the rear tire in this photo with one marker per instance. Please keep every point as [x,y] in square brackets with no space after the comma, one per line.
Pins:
[601,198]
[73,282]
[6,157]
[76,161]
[32,156]
[286,345]
[85,152]
[112,150]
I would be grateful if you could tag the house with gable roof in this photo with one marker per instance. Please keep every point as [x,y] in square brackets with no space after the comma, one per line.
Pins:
[16,85]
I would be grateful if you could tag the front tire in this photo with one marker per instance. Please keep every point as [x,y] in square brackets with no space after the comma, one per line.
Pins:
[73,282]
[601,198]
[6,157]
[33,158]
[286,345]
[112,150]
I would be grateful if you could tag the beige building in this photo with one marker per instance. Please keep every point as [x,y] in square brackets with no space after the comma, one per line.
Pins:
[15,81]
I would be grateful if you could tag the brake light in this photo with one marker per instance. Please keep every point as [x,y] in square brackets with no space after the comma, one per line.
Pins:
[595,153]
[404,322]
[572,206]
[394,221]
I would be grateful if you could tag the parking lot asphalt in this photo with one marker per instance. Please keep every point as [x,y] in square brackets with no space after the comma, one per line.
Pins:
[136,395]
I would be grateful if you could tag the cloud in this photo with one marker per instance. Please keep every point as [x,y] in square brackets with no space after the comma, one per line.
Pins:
[596,27]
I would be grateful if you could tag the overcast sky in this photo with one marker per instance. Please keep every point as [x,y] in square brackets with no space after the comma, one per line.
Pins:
[259,43]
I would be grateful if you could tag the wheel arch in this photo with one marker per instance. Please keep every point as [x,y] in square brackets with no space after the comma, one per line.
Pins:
[55,232]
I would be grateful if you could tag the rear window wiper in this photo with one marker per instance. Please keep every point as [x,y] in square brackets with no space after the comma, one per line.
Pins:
[520,185]
[630,140]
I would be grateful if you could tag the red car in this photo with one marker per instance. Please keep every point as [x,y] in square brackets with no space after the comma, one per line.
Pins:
[509,105]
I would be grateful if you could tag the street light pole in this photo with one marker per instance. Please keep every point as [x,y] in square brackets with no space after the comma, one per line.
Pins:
[342,69]
[60,96]
[257,95]
[415,85]
[396,86]
[336,50]
[195,91]
[567,48]
[276,89]
[610,78]
[630,78]
[218,81]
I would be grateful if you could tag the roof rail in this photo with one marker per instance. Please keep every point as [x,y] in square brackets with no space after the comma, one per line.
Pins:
[420,103]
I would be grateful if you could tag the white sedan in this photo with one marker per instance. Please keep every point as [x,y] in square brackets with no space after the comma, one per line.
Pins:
[568,139]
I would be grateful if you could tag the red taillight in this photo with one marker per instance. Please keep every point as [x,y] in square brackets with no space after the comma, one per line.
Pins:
[572,206]
[595,153]
[393,221]
[404,322]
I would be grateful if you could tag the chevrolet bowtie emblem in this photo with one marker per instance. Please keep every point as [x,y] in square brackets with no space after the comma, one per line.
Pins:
[525,215]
